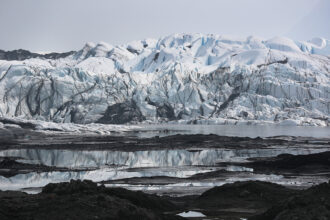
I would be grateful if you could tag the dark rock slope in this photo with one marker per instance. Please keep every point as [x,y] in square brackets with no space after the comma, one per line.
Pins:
[247,198]
[255,200]
[25,54]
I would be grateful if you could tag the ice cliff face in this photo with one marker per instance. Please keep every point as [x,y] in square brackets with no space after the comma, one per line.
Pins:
[187,78]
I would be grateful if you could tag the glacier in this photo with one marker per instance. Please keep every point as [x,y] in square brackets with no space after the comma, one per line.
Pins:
[180,78]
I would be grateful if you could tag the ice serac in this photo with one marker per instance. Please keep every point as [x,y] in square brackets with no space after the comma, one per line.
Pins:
[185,78]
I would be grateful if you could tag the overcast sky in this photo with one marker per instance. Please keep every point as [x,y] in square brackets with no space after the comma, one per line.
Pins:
[62,25]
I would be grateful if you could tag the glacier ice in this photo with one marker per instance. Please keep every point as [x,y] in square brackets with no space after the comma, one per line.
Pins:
[184,78]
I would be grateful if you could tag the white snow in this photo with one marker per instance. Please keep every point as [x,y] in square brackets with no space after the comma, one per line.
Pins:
[282,44]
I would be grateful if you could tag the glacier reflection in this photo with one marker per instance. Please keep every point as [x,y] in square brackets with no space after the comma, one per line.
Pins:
[155,158]
[117,165]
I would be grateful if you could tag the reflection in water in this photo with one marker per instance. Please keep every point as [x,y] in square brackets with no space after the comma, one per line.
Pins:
[191,187]
[103,174]
[155,158]
[115,165]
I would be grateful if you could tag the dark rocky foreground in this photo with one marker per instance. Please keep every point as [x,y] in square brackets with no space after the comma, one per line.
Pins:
[254,200]
[313,203]
[83,200]
[243,197]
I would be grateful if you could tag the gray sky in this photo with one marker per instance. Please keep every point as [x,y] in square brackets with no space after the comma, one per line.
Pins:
[62,25]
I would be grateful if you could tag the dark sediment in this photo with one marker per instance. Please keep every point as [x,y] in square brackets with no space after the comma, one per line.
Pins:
[10,167]
[29,139]
[20,135]
[122,113]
